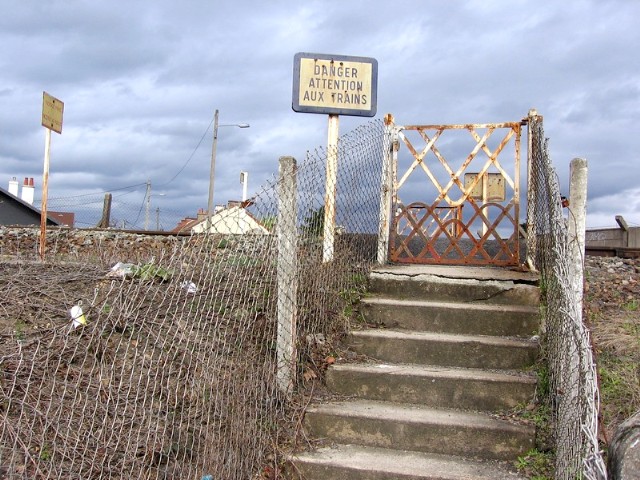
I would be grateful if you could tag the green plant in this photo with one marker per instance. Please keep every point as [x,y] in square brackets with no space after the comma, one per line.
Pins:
[269,222]
[536,465]
[313,223]
[619,380]
[151,272]
[631,305]
[45,453]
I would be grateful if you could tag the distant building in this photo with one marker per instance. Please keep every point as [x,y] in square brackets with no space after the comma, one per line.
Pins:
[68,219]
[233,220]
[20,211]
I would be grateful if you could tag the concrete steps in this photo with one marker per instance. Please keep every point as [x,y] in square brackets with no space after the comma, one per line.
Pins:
[434,386]
[445,349]
[456,344]
[355,462]
[419,428]
[448,317]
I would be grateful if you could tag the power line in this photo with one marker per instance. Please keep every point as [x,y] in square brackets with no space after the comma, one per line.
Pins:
[190,156]
[99,193]
[141,184]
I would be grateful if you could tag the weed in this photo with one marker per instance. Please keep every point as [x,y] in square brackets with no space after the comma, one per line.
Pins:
[631,305]
[19,330]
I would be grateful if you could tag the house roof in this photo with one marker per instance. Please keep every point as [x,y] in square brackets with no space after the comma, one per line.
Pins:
[24,206]
[225,219]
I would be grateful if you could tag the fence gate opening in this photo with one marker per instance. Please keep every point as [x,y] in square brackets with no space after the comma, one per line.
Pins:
[456,194]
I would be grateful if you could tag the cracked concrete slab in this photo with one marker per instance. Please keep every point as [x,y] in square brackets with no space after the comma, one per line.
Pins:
[453,273]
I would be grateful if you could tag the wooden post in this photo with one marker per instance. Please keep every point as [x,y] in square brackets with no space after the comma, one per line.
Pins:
[106,212]
[45,190]
[287,273]
[329,226]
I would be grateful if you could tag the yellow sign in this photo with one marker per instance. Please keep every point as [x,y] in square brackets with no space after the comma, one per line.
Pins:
[494,183]
[52,110]
[335,84]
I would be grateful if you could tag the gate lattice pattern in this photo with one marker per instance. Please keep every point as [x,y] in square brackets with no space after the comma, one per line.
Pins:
[486,230]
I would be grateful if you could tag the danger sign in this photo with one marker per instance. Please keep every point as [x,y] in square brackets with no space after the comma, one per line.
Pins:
[335,84]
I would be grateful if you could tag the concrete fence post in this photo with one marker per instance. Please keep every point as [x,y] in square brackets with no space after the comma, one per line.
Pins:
[287,275]
[534,143]
[386,189]
[577,225]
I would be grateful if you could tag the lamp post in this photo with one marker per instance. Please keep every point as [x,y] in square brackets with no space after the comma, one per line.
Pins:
[213,162]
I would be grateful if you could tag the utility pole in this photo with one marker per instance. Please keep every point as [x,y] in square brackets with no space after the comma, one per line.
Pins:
[212,171]
[148,204]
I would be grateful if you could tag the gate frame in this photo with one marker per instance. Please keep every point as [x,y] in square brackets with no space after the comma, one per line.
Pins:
[390,187]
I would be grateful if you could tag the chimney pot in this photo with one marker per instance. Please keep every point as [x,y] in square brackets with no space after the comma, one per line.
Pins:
[28,190]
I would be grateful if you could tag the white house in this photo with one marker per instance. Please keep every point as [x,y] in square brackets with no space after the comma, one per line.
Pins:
[230,221]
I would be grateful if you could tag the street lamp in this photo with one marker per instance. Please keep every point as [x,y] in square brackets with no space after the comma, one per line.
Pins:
[213,162]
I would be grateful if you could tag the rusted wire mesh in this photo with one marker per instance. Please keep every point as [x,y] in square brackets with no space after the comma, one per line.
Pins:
[171,371]
[572,375]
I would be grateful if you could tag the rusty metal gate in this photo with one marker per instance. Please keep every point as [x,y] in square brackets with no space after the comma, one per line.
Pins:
[456,194]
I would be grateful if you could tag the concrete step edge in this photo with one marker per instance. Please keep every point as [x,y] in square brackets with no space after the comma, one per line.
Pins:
[381,463]
[444,337]
[417,414]
[434,371]
[465,306]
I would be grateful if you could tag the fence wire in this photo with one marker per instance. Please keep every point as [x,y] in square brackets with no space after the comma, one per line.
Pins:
[170,369]
[572,374]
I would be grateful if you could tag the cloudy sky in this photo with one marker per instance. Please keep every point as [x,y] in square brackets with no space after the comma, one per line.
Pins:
[141,79]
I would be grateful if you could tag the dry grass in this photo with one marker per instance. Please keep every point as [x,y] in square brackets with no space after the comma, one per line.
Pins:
[612,297]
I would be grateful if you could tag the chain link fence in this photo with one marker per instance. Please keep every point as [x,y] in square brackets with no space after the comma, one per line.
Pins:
[572,374]
[175,363]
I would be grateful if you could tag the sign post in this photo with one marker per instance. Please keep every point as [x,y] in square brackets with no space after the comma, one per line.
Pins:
[52,111]
[334,85]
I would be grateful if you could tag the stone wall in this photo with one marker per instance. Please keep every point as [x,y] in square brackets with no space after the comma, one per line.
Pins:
[104,245]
